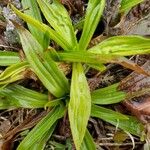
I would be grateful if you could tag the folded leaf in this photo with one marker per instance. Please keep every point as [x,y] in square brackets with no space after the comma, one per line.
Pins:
[47,72]
[55,72]
[58,18]
[123,46]
[92,17]
[79,105]
[44,28]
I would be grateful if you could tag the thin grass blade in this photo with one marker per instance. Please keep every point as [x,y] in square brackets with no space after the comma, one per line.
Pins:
[104,113]
[132,125]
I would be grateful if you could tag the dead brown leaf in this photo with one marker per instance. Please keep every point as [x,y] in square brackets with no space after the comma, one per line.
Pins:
[138,88]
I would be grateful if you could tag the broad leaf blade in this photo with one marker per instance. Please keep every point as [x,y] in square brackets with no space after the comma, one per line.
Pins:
[97,59]
[79,105]
[106,114]
[42,128]
[14,96]
[123,46]
[127,123]
[108,95]
[58,17]
[132,125]
[13,73]
[42,142]
[8,58]
[48,76]
[56,72]
[94,11]
[83,56]
[44,28]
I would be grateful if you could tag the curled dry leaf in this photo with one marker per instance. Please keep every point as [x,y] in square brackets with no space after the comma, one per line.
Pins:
[138,88]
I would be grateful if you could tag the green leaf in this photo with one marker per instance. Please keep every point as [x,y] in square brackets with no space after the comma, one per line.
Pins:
[34,11]
[42,128]
[13,73]
[83,56]
[132,125]
[39,145]
[53,103]
[17,96]
[57,146]
[96,59]
[47,72]
[94,11]
[99,67]
[123,46]
[8,58]
[128,4]
[108,95]
[44,28]
[79,105]
[127,123]
[88,142]
[58,18]
[106,114]
[55,72]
